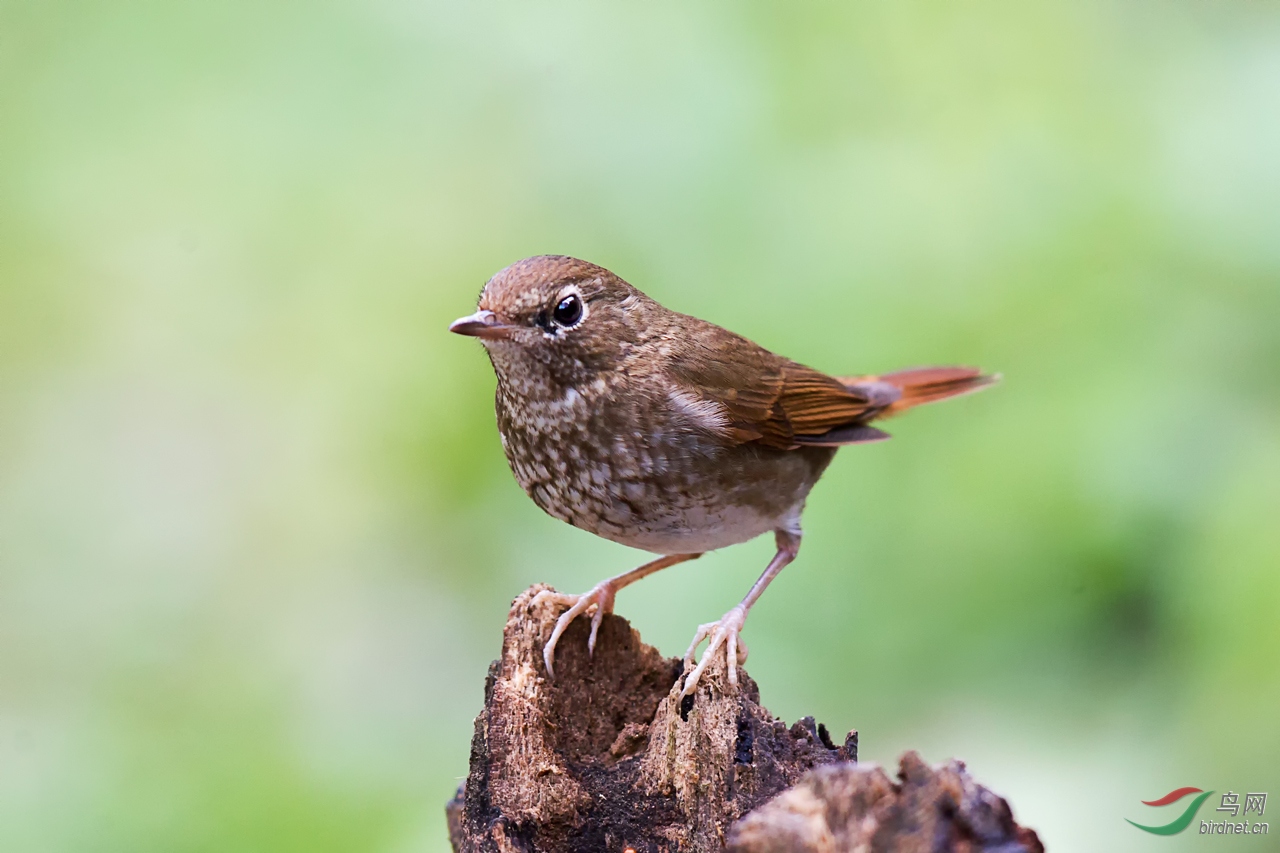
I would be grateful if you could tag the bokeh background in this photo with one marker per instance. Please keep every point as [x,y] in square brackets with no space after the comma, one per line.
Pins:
[257,537]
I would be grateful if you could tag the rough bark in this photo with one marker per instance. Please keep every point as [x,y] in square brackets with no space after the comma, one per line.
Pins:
[606,757]
[845,807]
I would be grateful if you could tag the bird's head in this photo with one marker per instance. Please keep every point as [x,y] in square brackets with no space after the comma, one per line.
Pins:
[556,319]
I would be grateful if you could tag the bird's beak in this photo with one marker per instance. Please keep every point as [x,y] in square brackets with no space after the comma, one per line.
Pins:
[483,324]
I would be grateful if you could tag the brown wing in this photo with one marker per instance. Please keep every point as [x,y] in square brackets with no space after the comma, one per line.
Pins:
[769,399]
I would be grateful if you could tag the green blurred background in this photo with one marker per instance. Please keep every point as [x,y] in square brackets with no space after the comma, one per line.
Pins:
[257,536]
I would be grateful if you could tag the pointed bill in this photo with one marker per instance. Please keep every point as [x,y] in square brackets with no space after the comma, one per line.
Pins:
[482,324]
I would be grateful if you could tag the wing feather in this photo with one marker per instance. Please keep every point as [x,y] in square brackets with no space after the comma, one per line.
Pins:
[768,399]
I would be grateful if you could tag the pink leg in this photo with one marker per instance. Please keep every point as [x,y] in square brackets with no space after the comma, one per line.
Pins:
[601,598]
[726,630]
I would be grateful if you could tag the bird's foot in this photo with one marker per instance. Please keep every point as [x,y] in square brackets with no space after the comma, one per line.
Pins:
[725,631]
[599,600]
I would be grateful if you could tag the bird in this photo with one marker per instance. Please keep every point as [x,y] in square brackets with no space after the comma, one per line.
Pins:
[667,433]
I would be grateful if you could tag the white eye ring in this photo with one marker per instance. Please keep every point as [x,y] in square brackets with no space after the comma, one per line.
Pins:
[570,309]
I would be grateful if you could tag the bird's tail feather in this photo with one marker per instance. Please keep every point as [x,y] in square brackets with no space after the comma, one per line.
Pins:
[910,388]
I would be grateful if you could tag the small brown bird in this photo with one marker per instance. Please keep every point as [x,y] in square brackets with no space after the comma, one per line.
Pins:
[665,432]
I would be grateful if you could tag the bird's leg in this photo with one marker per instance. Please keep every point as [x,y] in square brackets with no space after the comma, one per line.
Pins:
[600,598]
[727,629]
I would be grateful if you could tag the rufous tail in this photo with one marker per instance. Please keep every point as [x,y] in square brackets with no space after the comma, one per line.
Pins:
[910,388]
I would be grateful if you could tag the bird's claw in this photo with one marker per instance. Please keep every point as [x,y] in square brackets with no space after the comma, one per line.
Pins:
[599,600]
[726,630]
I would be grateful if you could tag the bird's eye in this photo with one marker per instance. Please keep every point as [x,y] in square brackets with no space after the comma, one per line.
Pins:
[569,311]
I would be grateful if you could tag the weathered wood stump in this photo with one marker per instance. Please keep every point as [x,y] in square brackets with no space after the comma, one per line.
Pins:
[608,758]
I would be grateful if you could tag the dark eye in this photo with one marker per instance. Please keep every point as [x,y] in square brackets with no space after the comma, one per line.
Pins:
[569,311]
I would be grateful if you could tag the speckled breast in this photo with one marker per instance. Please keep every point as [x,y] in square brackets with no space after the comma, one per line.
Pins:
[663,487]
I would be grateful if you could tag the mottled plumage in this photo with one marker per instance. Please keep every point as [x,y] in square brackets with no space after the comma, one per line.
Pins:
[662,431]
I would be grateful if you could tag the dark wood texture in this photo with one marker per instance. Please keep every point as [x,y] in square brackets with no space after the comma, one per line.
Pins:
[607,758]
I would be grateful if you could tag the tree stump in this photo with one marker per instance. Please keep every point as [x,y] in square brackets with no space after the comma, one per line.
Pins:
[607,757]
